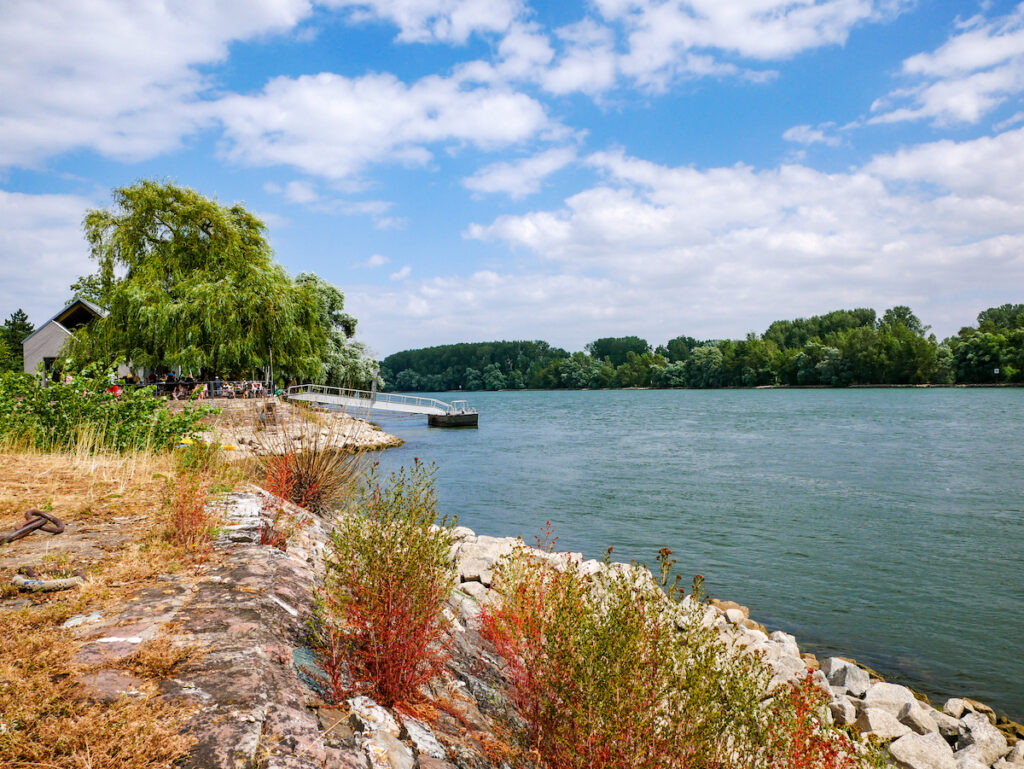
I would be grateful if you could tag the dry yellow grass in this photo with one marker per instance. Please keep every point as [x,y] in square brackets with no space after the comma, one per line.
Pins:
[44,719]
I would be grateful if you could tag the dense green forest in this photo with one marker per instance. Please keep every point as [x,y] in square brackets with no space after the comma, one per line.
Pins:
[838,349]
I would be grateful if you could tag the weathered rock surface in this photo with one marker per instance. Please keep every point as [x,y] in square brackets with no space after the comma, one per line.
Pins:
[844,673]
[980,740]
[889,697]
[922,751]
[881,723]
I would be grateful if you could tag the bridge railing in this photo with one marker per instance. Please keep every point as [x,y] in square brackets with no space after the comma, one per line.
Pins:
[459,407]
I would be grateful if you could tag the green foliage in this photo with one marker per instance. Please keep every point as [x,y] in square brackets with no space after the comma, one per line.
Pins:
[63,416]
[617,348]
[457,366]
[837,349]
[14,331]
[606,667]
[200,289]
[380,626]
[345,363]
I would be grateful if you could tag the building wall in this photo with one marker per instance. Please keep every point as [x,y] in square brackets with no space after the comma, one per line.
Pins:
[46,343]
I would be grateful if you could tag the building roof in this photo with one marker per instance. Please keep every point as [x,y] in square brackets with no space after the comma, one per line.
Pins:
[75,308]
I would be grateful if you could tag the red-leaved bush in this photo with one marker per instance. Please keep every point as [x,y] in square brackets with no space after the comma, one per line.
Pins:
[191,522]
[380,624]
[280,525]
[798,734]
[609,672]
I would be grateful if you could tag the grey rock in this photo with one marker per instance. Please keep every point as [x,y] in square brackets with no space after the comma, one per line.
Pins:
[345,758]
[1016,754]
[475,590]
[954,707]
[787,642]
[981,740]
[881,723]
[968,762]
[949,727]
[386,751]
[735,616]
[843,673]
[423,739]
[889,697]
[843,711]
[914,716]
[477,570]
[922,751]
[371,717]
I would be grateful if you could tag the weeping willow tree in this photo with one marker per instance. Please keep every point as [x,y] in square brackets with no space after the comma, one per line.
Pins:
[190,283]
[347,363]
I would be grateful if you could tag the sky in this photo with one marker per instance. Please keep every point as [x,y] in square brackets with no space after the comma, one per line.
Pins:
[468,170]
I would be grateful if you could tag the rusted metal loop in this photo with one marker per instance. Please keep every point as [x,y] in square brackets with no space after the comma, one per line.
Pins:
[35,519]
[53,525]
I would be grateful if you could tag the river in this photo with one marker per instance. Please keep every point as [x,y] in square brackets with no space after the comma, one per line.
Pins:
[882,524]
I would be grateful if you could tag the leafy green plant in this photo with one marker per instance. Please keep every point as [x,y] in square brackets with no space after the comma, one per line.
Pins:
[81,414]
[380,624]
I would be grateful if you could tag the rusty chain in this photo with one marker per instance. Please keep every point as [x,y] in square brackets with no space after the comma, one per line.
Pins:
[35,520]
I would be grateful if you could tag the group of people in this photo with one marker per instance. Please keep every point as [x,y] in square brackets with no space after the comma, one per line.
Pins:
[181,388]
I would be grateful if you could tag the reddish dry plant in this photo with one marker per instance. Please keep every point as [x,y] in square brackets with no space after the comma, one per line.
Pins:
[798,736]
[192,522]
[279,526]
[608,673]
[381,625]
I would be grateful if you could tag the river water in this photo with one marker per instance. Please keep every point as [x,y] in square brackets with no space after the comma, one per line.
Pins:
[882,524]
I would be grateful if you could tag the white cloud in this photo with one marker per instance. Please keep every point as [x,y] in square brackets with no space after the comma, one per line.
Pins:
[808,135]
[937,227]
[564,309]
[588,63]
[446,21]
[523,177]
[42,251]
[978,68]
[332,126]
[116,76]
[300,192]
[401,274]
[669,38]
[375,260]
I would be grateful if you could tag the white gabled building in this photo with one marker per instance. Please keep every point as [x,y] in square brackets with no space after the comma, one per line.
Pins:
[45,343]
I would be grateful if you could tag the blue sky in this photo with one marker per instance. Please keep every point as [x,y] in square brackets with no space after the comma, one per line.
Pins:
[494,169]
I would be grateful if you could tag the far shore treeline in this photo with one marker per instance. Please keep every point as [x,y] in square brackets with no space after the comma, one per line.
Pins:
[838,349]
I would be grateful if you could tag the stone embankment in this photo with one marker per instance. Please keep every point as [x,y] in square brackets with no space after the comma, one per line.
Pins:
[963,734]
[274,426]
[245,617]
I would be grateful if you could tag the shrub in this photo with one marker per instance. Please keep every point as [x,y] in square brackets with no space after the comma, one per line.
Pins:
[279,526]
[191,521]
[320,475]
[608,672]
[63,416]
[380,623]
[198,457]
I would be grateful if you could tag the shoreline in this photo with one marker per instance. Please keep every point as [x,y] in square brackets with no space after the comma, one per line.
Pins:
[860,698]
[927,386]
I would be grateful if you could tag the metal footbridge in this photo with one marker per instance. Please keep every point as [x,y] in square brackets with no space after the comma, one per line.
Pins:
[439,414]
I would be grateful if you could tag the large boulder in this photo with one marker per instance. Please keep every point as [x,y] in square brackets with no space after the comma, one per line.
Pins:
[922,751]
[917,718]
[844,673]
[882,724]
[980,740]
[843,711]
[889,697]
[949,727]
